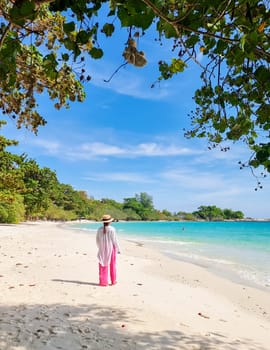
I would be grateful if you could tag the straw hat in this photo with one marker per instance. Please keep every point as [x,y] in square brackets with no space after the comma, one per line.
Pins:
[107,218]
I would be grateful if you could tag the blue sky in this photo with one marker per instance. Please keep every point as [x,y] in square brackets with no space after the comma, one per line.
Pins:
[127,138]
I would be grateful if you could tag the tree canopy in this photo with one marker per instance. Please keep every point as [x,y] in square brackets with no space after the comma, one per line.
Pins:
[43,44]
[212,212]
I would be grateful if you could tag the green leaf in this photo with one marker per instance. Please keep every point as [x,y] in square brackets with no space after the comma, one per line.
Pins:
[76,51]
[69,45]
[134,13]
[69,27]
[65,57]
[177,65]
[108,29]
[209,42]
[96,53]
[253,37]
[263,113]
[243,42]
[192,40]
[50,64]
[221,46]
[23,11]
[262,155]
[83,37]
[166,29]
[27,9]
[16,17]
[3,72]
[262,74]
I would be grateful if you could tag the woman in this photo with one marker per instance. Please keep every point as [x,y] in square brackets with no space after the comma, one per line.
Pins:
[107,248]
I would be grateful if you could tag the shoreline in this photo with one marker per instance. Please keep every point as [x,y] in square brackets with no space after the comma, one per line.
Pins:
[50,298]
[180,220]
[226,267]
[223,272]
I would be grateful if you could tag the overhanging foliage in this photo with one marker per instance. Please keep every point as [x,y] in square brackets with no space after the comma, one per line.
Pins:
[43,43]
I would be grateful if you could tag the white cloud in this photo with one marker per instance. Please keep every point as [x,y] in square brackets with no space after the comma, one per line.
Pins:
[153,149]
[50,147]
[120,177]
[101,149]
[136,82]
[94,150]
[128,81]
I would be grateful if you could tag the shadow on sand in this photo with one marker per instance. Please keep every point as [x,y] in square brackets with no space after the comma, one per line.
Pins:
[75,282]
[60,326]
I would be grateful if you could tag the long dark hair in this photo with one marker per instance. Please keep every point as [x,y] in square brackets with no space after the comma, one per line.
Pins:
[105,224]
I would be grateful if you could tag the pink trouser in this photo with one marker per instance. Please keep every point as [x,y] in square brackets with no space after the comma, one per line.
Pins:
[103,271]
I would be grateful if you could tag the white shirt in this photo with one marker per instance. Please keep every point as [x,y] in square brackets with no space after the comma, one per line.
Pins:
[105,243]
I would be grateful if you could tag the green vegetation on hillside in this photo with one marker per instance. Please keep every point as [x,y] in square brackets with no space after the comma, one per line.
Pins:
[29,192]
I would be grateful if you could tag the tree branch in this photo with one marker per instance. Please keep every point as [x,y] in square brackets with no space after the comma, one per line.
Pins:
[121,66]
[190,54]
[176,25]
[2,39]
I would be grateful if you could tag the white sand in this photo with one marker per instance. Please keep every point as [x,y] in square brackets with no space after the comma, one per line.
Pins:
[50,299]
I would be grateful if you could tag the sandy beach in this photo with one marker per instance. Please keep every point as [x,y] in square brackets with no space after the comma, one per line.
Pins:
[50,298]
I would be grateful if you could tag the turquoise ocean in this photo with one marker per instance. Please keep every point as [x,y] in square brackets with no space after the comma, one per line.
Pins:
[236,250]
